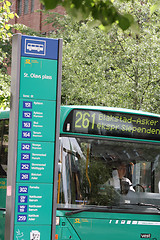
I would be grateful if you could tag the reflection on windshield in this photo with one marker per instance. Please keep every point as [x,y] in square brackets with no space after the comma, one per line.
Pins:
[107,173]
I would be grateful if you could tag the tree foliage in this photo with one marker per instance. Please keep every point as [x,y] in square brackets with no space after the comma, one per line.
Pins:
[5,16]
[104,12]
[115,69]
[4,91]
[5,34]
[5,50]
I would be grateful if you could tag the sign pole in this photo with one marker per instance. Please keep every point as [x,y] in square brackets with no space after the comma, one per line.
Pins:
[57,139]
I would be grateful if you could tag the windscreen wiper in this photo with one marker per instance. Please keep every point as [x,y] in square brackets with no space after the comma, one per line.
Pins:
[77,211]
[90,209]
[111,207]
[149,205]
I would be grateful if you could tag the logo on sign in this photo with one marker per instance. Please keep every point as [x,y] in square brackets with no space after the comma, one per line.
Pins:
[36,47]
[19,235]
[35,235]
[145,235]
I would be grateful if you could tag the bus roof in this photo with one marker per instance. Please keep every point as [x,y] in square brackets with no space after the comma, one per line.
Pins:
[4,114]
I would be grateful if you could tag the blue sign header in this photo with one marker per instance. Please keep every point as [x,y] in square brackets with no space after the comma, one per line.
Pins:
[39,47]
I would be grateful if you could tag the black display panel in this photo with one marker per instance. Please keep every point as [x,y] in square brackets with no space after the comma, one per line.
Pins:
[113,124]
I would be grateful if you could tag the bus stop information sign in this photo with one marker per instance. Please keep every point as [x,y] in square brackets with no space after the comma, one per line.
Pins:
[33,138]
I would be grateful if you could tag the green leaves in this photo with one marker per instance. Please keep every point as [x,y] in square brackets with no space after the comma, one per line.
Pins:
[5,51]
[5,16]
[125,21]
[4,91]
[104,11]
[117,69]
[50,4]
[107,12]
[155,7]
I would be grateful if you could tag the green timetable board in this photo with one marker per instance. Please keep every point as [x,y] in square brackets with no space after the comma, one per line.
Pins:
[33,138]
[36,163]
[33,232]
[32,205]
[38,78]
[33,116]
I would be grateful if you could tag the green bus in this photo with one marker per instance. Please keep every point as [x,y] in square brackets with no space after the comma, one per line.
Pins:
[108,174]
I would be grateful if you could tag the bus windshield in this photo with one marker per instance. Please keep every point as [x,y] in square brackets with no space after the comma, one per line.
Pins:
[102,173]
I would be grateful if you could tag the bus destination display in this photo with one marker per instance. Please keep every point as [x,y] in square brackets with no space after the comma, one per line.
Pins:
[113,124]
